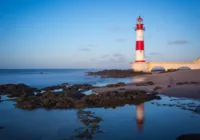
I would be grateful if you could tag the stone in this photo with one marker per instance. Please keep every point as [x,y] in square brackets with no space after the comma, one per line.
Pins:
[189,137]
[119,84]
[197,110]
[116,73]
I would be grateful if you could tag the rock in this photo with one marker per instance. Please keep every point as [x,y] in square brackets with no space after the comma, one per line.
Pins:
[93,126]
[15,90]
[88,135]
[179,83]
[197,110]
[85,121]
[1,127]
[45,102]
[64,85]
[116,73]
[96,120]
[50,88]
[158,89]
[80,104]
[189,137]
[149,83]
[71,97]
[194,83]
[48,94]
[116,85]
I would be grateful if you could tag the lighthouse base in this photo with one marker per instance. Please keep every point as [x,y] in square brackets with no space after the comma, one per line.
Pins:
[140,66]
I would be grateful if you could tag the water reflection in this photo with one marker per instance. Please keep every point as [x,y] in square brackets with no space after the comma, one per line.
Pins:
[140,116]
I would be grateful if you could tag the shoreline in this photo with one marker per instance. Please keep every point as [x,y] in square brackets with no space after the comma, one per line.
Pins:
[181,84]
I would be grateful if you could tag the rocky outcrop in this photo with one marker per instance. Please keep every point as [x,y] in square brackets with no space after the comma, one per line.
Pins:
[15,90]
[191,106]
[72,96]
[148,83]
[197,110]
[189,137]
[1,127]
[68,100]
[91,125]
[119,84]
[187,83]
[116,73]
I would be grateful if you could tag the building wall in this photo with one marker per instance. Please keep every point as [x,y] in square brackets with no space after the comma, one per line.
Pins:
[148,66]
[177,65]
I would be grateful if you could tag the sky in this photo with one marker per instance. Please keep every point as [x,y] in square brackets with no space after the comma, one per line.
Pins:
[96,33]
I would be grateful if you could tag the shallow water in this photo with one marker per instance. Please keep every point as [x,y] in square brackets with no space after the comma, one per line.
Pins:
[160,122]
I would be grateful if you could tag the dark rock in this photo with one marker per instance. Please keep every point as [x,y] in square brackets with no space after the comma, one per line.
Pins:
[64,85]
[15,90]
[87,135]
[116,73]
[179,83]
[116,85]
[158,90]
[197,110]
[1,127]
[186,83]
[189,137]
[194,83]
[50,88]
[149,83]
[80,104]
[71,97]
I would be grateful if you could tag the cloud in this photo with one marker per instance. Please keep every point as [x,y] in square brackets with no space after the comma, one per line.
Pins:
[92,59]
[120,39]
[91,45]
[178,42]
[118,55]
[117,60]
[115,29]
[85,49]
[154,54]
[105,56]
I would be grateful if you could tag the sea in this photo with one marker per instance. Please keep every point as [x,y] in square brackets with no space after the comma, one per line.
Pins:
[164,119]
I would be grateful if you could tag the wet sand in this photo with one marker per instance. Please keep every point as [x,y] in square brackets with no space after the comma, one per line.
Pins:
[163,80]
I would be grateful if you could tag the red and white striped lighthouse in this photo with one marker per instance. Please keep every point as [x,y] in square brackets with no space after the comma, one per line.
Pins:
[139,40]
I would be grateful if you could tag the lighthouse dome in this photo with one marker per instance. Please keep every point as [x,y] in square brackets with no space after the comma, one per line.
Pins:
[139,18]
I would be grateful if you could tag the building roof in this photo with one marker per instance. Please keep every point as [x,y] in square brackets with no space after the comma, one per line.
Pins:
[139,18]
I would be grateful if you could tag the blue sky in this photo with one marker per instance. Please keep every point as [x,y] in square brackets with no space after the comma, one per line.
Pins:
[95,33]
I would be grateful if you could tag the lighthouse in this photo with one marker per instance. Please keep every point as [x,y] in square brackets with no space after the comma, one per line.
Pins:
[139,40]
[140,116]
[140,63]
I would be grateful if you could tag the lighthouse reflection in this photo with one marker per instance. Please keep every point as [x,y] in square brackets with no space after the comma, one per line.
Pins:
[140,117]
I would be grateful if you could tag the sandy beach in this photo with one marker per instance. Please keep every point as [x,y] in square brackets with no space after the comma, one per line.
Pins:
[163,80]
